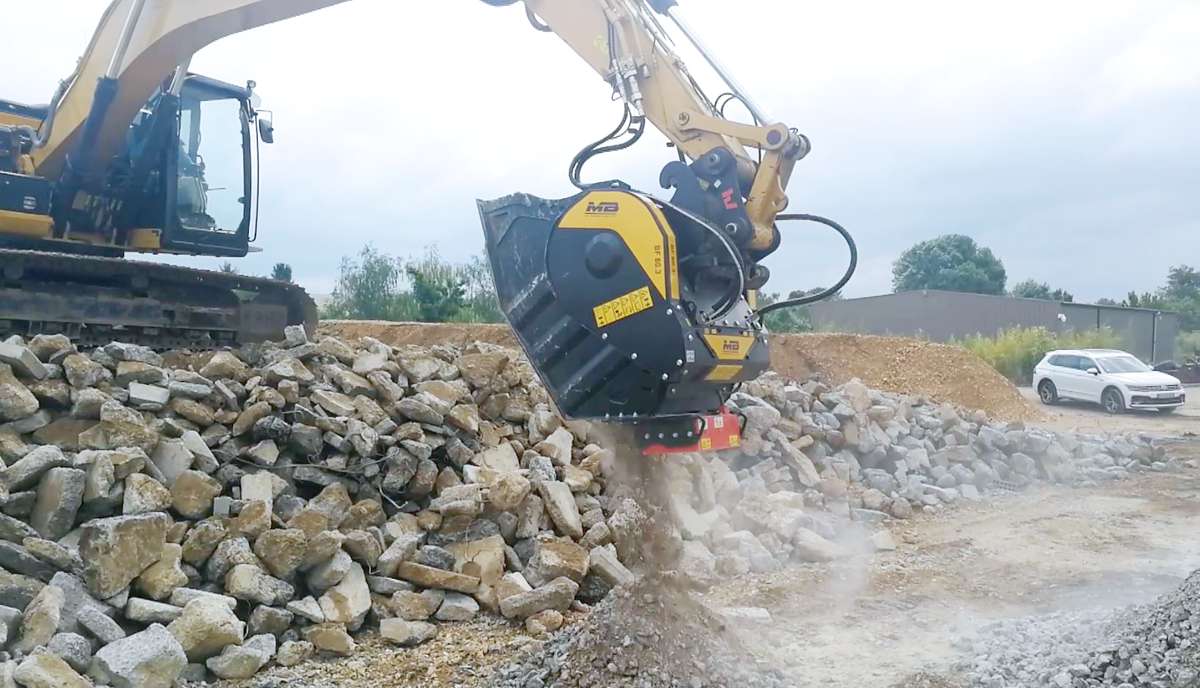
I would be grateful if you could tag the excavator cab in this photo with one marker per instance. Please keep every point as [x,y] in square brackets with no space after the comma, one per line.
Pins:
[182,182]
[209,171]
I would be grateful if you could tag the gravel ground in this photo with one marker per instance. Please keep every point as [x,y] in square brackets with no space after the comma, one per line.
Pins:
[1038,651]
[463,654]
[1080,417]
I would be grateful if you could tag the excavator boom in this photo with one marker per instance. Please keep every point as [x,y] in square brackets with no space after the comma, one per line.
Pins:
[631,308]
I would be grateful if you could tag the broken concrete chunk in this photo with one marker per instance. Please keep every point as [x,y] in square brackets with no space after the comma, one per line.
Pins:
[116,550]
[152,658]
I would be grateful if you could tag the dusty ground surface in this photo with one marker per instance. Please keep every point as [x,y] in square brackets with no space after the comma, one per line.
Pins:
[891,618]
[1078,416]
[896,364]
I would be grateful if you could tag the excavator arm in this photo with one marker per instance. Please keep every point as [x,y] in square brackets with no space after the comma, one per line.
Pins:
[624,42]
[631,308]
[139,43]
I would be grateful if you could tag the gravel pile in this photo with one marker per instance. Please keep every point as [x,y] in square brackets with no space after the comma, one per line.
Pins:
[1152,645]
[1044,651]
[904,365]
[1156,644]
[651,635]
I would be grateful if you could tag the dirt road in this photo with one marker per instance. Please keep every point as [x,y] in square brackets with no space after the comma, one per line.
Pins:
[1090,418]
[879,619]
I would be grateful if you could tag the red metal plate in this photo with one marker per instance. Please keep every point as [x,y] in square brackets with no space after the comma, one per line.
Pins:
[720,431]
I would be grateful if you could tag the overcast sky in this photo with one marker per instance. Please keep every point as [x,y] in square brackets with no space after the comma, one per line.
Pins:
[1062,135]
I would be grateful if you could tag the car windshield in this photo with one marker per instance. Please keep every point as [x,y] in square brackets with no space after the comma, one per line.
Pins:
[1123,364]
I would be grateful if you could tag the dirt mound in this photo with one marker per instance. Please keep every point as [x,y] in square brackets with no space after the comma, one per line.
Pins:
[654,635]
[907,366]
[423,334]
[896,364]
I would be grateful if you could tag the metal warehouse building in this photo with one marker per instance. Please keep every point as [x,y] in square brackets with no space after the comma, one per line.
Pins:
[941,316]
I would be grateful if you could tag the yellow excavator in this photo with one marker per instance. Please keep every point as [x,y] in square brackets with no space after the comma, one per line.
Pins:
[631,308]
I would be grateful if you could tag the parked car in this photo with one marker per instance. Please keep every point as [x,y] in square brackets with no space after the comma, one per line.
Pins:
[1116,380]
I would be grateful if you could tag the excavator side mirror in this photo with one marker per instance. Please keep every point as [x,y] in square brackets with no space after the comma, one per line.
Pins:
[266,130]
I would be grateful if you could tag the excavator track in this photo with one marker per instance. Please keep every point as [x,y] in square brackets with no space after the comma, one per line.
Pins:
[95,299]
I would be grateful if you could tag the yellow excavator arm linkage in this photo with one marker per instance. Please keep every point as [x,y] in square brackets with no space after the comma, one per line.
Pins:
[641,64]
[139,43]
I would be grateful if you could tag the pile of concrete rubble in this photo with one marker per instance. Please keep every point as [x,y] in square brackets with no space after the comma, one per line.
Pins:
[814,460]
[177,514]
[184,515]
[816,468]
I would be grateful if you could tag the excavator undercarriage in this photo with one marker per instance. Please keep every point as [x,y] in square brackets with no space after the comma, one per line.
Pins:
[97,299]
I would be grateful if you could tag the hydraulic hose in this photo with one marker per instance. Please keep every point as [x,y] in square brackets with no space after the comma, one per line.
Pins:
[825,293]
[738,287]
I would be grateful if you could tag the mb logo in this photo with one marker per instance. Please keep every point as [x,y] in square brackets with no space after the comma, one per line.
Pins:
[602,208]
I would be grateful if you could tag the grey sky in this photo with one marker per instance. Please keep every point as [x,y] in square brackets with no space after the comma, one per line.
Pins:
[1060,134]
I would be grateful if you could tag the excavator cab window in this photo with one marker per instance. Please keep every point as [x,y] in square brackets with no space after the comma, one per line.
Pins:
[209,207]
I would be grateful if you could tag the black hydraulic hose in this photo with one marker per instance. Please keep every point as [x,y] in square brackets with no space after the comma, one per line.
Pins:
[825,293]
[737,287]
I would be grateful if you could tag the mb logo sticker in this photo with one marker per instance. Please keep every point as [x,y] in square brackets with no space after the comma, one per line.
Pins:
[602,208]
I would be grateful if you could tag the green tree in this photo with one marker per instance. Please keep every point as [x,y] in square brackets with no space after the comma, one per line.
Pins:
[281,272]
[482,304]
[798,319]
[376,286]
[438,288]
[1187,345]
[1106,302]
[1033,289]
[1181,294]
[228,268]
[953,262]
[1183,283]
[370,287]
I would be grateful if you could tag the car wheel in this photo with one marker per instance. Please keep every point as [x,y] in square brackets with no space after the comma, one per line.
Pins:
[1167,411]
[1048,393]
[1112,400]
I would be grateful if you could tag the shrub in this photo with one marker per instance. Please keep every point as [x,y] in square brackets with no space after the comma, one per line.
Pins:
[1014,352]
[1187,345]
[376,286]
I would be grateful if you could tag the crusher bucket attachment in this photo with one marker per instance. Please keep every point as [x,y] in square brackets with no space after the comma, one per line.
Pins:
[627,307]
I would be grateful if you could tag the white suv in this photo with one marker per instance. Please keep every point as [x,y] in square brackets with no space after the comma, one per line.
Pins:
[1116,380]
